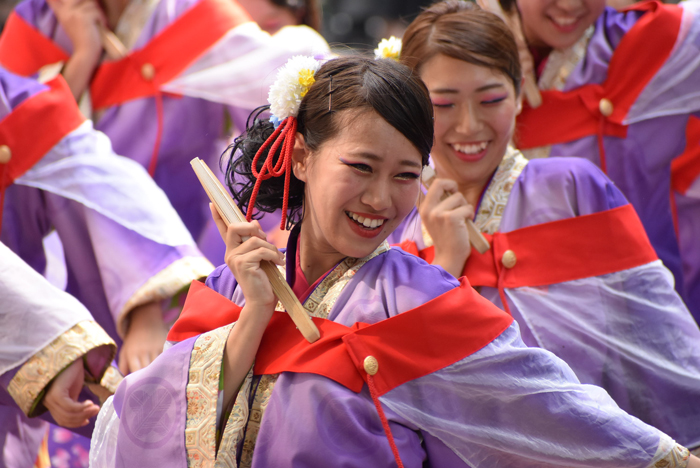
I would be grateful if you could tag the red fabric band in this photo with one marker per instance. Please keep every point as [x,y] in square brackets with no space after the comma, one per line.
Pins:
[407,346]
[559,251]
[54,111]
[24,50]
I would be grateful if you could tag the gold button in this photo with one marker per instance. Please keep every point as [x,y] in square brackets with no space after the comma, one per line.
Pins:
[606,107]
[371,365]
[148,71]
[509,259]
[5,154]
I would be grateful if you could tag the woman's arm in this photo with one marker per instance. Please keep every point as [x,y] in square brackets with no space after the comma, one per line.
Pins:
[246,247]
[81,20]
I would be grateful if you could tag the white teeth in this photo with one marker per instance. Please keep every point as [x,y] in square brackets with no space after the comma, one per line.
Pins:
[366,222]
[564,21]
[471,149]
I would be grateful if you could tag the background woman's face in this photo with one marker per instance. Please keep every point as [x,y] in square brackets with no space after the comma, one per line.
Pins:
[557,24]
[270,17]
[360,185]
[475,109]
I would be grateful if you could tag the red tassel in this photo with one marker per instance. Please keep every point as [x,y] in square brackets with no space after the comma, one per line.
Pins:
[159,134]
[283,135]
[385,423]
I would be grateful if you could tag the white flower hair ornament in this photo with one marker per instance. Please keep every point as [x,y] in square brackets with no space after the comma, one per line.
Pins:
[388,49]
[292,83]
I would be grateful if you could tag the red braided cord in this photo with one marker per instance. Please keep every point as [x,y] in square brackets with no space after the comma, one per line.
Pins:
[385,423]
[283,135]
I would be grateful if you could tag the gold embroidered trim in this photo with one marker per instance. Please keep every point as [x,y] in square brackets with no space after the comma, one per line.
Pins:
[676,456]
[132,21]
[495,199]
[202,394]
[28,385]
[107,385]
[560,64]
[163,285]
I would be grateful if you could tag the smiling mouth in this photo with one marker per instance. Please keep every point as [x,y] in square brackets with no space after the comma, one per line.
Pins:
[470,149]
[565,22]
[365,223]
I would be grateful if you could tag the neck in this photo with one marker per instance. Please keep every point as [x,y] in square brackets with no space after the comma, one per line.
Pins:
[314,261]
[113,11]
[472,192]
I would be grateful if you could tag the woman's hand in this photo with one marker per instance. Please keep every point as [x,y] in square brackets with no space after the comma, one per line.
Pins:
[144,338]
[81,20]
[244,257]
[61,398]
[446,222]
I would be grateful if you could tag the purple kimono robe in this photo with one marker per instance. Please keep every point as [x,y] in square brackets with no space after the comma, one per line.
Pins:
[640,163]
[628,331]
[504,405]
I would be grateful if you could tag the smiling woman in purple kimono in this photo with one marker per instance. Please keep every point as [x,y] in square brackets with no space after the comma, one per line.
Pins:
[625,112]
[568,259]
[412,367]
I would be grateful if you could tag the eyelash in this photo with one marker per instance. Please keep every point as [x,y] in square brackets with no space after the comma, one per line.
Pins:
[367,169]
[494,101]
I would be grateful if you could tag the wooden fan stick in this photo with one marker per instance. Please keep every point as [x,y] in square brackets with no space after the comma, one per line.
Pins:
[530,89]
[230,213]
[112,45]
[476,238]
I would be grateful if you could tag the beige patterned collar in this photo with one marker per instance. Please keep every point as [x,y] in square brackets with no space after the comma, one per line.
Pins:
[560,64]
[133,20]
[494,200]
[322,299]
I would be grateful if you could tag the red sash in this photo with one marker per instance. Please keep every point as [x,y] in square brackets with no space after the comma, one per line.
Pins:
[685,169]
[24,50]
[559,251]
[36,126]
[407,346]
[571,115]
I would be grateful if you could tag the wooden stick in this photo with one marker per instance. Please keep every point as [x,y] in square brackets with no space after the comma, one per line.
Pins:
[112,45]
[530,89]
[475,237]
[230,213]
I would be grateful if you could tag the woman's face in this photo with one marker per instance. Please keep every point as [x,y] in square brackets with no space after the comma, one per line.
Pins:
[270,17]
[475,109]
[557,24]
[360,185]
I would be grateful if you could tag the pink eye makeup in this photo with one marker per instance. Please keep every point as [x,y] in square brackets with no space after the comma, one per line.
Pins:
[494,98]
[437,102]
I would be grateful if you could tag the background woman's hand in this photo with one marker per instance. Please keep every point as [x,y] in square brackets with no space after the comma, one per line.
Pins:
[61,398]
[81,19]
[446,222]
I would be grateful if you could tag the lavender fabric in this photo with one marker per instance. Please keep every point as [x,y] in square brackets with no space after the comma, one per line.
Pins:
[628,331]
[640,164]
[505,405]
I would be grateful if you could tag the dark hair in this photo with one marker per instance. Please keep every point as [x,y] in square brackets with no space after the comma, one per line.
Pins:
[384,86]
[463,31]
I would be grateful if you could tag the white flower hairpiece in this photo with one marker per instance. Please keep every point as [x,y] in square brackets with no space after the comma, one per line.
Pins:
[388,48]
[292,83]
